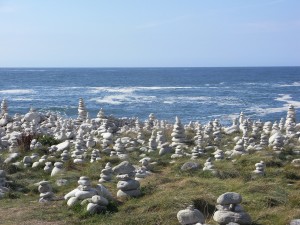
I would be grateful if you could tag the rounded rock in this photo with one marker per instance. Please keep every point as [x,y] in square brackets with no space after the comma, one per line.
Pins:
[229,198]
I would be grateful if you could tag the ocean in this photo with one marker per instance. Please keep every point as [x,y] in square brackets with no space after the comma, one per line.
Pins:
[193,94]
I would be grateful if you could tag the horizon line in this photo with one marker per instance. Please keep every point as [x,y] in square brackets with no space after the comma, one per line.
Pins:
[131,67]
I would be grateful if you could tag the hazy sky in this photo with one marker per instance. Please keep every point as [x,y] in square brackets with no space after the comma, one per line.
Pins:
[130,33]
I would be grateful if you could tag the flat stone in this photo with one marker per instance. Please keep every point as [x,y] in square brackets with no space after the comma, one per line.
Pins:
[128,185]
[132,193]
[123,168]
[85,194]
[229,198]
[63,146]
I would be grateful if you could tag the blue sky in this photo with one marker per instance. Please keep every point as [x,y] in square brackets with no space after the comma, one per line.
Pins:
[142,33]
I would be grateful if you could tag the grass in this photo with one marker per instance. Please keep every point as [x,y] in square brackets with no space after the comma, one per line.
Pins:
[271,199]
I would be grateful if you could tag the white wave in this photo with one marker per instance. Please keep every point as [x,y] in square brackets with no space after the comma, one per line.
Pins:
[133,89]
[294,84]
[221,101]
[17,91]
[23,99]
[286,98]
[124,99]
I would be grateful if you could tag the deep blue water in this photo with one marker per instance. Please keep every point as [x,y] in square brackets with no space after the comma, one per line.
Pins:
[191,93]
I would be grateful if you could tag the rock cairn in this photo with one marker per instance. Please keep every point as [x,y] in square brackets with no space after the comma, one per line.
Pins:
[260,168]
[57,169]
[82,113]
[106,173]
[46,193]
[209,166]
[230,210]
[128,187]
[152,142]
[178,134]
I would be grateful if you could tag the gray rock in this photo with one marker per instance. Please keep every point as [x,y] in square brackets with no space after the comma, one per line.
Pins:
[123,168]
[97,199]
[72,201]
[85,194]
[225,217]
[190,166]
[128,185]
[131,193]
[190,216]
[94,208]
[229,198]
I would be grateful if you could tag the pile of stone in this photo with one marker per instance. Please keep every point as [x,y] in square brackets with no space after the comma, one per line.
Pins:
[46,193]
[230,210]
[106,173]
[96,198]
[152,142]
[178,134]
[259,168]
[209,166]
[128,186]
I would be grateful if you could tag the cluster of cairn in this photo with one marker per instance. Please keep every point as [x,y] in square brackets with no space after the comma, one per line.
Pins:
[86,140]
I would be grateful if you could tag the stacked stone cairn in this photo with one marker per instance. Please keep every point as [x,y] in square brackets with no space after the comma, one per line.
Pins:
[95,155]
[208,133]
[106,173]
[97,198]
[57,169]
[230,210]
[239,148]
[178,134]
[82,113]
[160,138]
[264,140]
[278,143]
[209,166]
[219,154]
[120,149]
[46,193]
[190,216]
[152,142]
[259,169]
[107,142]
[65,156]
[179,152]
[128,187]
[217,135]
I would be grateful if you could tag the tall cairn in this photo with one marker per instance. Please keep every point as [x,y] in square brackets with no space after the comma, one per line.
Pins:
[291,115]
[82,113]
[178,134]
[4,107]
